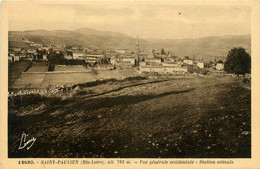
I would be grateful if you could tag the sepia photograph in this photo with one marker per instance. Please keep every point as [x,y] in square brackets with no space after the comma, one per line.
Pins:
[129,80]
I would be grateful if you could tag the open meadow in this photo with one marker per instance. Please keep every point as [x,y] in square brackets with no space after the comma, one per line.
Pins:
[149,117]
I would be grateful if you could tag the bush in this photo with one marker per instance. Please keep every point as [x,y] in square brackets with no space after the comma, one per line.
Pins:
[246,80]
[204,71]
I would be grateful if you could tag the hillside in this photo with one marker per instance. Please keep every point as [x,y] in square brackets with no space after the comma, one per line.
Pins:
[207,48]
[139,117]
[81,37]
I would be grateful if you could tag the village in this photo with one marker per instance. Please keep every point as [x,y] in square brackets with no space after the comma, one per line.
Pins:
[76,59]
[144,61]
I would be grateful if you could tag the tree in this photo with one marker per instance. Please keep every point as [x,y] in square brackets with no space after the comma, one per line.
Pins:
[56,58]
[238,61]
[190,69]
[68,47]
[162,52]
[220,61]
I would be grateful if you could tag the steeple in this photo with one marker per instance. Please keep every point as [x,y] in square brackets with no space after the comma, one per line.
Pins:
[137,50]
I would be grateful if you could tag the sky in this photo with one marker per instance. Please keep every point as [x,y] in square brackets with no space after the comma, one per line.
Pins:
[167,20]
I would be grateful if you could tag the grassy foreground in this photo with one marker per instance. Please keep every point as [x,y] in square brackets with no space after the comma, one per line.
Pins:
[163,117]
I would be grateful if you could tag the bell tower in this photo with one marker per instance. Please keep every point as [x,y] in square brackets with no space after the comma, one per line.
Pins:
[137,50]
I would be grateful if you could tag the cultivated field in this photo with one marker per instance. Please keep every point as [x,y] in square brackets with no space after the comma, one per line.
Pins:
[29,80]
[15,71]
[77,68]
[38,77]
[139,117]
[38,67]
[67,78]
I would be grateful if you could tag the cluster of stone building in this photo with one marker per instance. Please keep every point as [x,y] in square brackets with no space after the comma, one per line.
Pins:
[202,64]
[160,63]
[18,54]
[152,62]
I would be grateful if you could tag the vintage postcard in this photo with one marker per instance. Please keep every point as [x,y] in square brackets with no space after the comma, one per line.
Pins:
[130,84]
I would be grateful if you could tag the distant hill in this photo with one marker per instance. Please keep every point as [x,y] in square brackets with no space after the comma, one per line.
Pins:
[207,48]
[81,37]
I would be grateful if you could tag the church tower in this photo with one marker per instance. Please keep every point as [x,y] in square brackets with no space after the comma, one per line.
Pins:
[137,50]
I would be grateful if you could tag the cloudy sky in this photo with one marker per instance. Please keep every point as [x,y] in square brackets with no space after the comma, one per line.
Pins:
[169,20]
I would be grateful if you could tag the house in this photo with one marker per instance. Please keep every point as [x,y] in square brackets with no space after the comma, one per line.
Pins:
[122,52]
[183,69]
[163,69]
[68,57]
[31,51]
[142,63]
[44,57]
[45,48]
[188,61]
[96,56]
[32,43]
[59,46]
[81,57]
[170,64]
[17,57]
[113,60]
[11,58]
[11,54]
[219,66]
[87,50]
[92,60]
[57,50]
[153,60]
[76,55]
[35,56]
[17,49]
[35,44]
[25,40]
[123,61]
[201,65]
[128,59]
[74,48]
[124,64]
[23,53]
[169,60]
[160,56]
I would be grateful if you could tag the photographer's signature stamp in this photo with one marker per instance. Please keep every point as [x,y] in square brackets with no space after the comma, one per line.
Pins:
[26,143]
